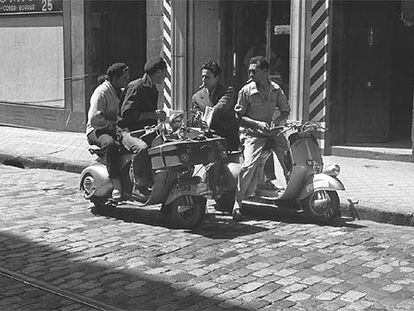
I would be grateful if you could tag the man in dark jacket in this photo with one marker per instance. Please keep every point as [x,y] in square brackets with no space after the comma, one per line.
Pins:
[138,110]
[213,94]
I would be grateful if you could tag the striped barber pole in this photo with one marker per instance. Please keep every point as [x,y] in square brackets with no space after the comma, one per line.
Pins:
[319,62]
[167,51]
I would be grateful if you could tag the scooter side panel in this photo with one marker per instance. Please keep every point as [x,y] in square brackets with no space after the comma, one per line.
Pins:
[321,182]
[192,187]
[102,182]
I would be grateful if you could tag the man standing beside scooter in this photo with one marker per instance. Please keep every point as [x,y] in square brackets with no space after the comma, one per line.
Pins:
[255,107]
[139,108]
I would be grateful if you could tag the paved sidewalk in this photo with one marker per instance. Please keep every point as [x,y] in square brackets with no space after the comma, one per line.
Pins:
[383,189]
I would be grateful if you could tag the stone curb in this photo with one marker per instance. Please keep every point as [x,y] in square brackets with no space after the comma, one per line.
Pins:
[371,154]
[383,216]
[359,212]
[45,163]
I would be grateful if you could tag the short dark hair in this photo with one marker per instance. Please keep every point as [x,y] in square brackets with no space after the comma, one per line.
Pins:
[260,61]
[213,67]
[154,64]
[116,70]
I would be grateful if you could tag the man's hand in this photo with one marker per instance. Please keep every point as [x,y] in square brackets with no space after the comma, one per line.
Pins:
[160,114]
[263,127]
[202,124]
[281,119]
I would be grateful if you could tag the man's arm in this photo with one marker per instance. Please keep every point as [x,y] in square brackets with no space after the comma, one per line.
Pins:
[284,108]
[282,118]
[96,112]
[241,108]
[223,111]
[130,112]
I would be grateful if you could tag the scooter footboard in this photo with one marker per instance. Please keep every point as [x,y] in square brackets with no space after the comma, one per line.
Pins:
[94,180]
[321,182]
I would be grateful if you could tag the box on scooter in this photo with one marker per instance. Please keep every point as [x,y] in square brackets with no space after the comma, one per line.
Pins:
[192,152]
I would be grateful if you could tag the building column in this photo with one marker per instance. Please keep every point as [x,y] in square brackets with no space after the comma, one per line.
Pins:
[316,62]
[167,37]
[179,57]
[299,58]
[76,116]
[167,51]
[412,135]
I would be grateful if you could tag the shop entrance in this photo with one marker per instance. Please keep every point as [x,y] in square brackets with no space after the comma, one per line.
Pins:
[372,73]
[253,28]
[115,32]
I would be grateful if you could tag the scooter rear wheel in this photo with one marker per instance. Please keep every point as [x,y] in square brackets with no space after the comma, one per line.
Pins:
[322,206]
[187,212]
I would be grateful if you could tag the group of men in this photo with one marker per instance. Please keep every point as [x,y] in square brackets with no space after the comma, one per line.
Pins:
[261,104]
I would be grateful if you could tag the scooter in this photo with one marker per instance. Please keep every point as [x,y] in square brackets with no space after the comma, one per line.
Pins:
[181,194]
[310,188]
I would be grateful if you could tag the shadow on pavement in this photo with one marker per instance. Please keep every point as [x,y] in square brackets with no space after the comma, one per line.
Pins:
[121,288]
[225,228]
[213,227]
[291,216]
[145,216]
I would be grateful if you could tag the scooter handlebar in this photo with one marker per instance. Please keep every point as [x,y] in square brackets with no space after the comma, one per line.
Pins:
[307,126]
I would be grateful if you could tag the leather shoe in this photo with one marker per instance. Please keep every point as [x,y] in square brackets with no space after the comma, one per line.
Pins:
[237,215]
[140,193]
[116,195]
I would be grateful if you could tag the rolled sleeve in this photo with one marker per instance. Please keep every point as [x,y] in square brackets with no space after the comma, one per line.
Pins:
[243,103]
[282,102]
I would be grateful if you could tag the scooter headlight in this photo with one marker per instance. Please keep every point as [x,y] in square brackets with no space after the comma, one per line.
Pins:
[332,170]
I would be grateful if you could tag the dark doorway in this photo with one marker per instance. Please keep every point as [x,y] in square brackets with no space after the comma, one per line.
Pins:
[401,79]
[372,73]
[115,32]
[253,28]
[369,93]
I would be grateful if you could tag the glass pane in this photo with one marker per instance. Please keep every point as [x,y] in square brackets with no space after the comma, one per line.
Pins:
[280,43]
[36,76]
[252,33]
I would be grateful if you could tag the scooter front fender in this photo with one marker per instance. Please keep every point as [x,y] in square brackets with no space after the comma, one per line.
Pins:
[101,186]
[191,187]
[320,182]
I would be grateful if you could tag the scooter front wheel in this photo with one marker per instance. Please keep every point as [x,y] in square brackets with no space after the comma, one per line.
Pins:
[186,212]
[322,206]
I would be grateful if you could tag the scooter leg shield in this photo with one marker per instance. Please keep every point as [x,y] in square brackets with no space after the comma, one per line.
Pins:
[95,182]
[321,182]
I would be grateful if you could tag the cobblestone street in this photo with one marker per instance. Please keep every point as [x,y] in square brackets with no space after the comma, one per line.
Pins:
[130,259]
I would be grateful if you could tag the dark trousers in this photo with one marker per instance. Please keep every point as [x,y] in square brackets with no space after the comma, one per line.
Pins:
[141,162]
[111,151]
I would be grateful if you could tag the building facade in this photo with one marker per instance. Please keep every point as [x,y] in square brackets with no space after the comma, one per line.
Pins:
[52,52]
[346,64]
